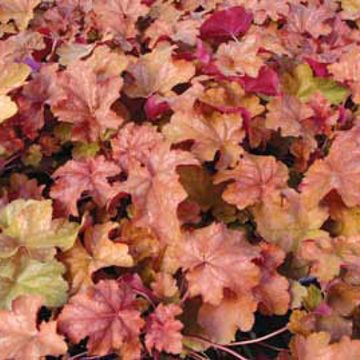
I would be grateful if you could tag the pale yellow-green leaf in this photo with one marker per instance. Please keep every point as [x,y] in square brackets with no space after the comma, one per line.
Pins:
[12,75]
[304,84]
[21,11]
[285,220]
[21,275]
[71,52]
[28,224]
[350,6]
[8,108]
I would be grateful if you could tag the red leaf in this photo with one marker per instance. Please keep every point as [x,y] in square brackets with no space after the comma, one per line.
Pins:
[226,24]
[267,82]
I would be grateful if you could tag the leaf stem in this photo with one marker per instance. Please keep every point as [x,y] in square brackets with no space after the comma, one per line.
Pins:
[218,346]
[260,339]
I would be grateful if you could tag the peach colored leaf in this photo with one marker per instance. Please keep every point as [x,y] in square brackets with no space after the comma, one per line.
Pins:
[164,285]
[79,98]
[273,291]
[157,72]
[118,17]
[77,261]
[214,259]
[255,178]
[230,97]
[134,143]
[219,133]
[287,113]
[316,346]
[21,11]
[345,69]
[98,252]
[107,62]
[33,98]
[342,297]
[327,255]
[21,338]
[231,61]
[221,321]
[285,219]
[275,10]
[337,171]
[77,176]
[107,314]
[163,330]
[154,207]
[105,252]
[310,19]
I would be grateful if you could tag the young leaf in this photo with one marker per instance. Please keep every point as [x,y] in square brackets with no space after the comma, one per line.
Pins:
[163,330]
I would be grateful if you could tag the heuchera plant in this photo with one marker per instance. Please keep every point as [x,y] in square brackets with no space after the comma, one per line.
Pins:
[180,179]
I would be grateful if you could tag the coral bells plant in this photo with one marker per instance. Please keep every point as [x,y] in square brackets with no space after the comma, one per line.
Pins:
[179,179]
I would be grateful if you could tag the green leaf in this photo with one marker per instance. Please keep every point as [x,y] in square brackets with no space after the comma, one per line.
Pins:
[306,85]
[28,224]
[305,80]
[21,275]
[331,90]
[84,150]
[313,298]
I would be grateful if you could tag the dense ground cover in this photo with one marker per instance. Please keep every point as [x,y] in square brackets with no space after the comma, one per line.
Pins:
[180,179]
